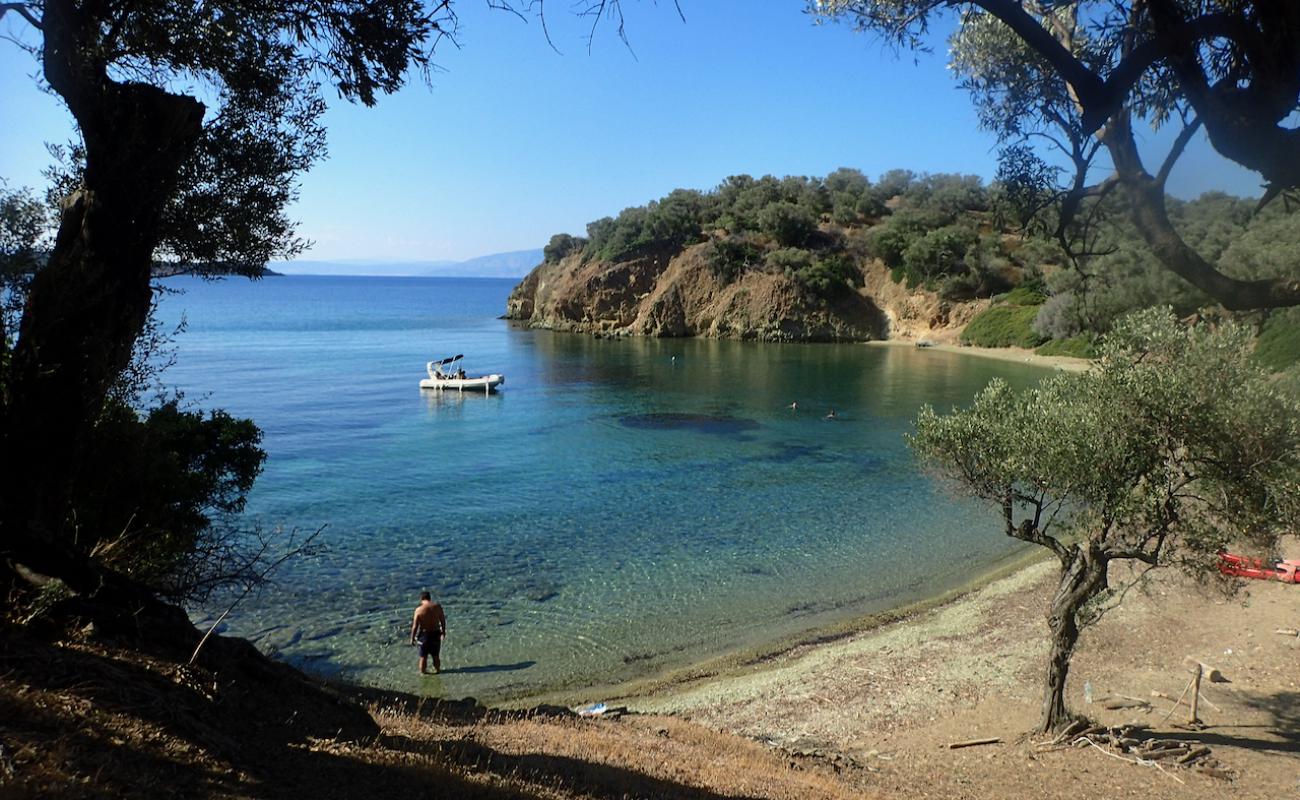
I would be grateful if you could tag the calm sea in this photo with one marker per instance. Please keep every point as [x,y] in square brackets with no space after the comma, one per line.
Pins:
[619,508]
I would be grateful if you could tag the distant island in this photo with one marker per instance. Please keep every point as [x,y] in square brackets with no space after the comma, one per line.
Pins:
[513,264]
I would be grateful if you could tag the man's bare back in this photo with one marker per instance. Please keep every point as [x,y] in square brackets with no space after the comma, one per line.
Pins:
[429,617]
[429,626]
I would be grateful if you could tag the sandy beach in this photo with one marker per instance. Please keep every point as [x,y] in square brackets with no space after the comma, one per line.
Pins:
[888,700]
[1017,354]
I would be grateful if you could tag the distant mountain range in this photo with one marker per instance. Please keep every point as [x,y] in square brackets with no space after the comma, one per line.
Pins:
[514,264]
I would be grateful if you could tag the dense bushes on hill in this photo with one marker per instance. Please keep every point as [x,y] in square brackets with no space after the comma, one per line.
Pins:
[731,256]
[947,233]
[673,221]
[1003,326]
[924,225]
[821,275]
[1125,277]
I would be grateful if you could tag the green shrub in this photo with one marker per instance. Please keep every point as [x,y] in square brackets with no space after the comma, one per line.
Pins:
[1003,326]
[938,253]
[788,260]
[1278,346]
[729,258]
[673,221]
[827,277]
[1074,346]
[888,242]
[788,223]
[1288,381]
[960,287]
[157,488]
[1023,296]
[561,245]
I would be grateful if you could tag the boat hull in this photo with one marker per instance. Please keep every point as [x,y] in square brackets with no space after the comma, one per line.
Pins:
[1259,569]
[483,383]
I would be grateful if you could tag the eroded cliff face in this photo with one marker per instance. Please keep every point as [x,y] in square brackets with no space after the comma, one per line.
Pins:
[916,314]
[676,294]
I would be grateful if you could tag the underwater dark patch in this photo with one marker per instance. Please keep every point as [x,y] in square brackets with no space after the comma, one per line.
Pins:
[787,453]
[714,424]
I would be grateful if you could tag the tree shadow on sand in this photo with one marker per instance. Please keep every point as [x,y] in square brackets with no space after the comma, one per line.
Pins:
[1281,734]
[108,722]
[585,778]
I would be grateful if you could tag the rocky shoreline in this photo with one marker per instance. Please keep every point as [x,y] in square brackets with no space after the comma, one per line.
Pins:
[675,293]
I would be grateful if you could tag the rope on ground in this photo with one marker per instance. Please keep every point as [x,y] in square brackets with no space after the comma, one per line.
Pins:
[1186,689]
[1145,762]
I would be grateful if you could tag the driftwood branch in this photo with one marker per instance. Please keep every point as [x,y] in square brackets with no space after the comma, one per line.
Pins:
[974,742]
[302,549]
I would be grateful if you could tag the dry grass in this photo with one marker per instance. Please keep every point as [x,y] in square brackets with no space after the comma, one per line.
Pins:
[634,756]
[89,720]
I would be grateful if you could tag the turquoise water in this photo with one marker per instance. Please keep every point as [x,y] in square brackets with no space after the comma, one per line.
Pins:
[620,507]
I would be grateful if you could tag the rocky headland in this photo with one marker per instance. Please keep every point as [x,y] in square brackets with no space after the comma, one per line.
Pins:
[666,292]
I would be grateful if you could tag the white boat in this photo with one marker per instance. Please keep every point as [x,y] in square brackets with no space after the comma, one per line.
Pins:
[444,378]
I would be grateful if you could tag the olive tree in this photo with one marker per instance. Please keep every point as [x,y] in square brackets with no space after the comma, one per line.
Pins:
[1174,446]
[194,122]
[1080,75]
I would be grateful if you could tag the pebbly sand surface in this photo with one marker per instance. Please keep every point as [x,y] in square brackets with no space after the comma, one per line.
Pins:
[890,699]
[1017,354]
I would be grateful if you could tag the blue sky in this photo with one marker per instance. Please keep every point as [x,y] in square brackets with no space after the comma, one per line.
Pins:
[513,142]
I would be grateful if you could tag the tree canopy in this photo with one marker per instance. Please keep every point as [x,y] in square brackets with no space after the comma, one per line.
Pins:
[194,121]
[256,74]
[1078,76]
[1177,445]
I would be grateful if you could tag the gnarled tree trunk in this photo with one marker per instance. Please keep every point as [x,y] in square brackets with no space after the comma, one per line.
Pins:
[1081,579]
[89,303]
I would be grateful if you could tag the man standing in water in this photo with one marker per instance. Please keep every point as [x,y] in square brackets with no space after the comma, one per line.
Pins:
[429,628]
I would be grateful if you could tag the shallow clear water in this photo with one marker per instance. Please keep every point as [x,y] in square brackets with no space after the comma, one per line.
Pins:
[619,507]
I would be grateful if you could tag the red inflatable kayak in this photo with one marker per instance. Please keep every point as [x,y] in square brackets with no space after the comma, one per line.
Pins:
[1261,569]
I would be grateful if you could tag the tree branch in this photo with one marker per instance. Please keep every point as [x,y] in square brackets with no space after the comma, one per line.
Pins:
[1176,151]
[1141,58]
[258,580]
[1150,216]
[1137,555]
[24,12]
[1088,88]
[1243,119]
[1026,532]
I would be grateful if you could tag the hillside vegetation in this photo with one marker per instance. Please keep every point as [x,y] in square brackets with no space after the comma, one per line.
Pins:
[946,237]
